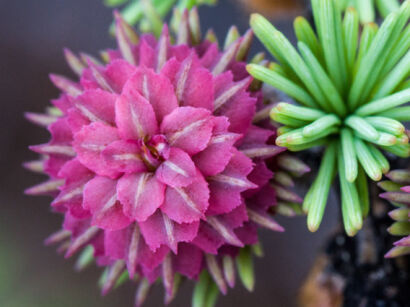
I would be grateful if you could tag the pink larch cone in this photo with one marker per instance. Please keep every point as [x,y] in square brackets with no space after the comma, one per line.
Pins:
[154,160]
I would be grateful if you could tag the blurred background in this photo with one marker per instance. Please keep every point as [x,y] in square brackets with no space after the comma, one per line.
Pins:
[32,36]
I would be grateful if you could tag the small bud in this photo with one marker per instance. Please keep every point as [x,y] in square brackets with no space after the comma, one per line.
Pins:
[47,187]
[285,210]
[58,237]
[216,272]
[124,44]
[245,268]
[66,85]
[284,179]
[263,151]
[85,259]
[264,220]
[82,240]
[74,62]
[142,292]
[397,197]
[262,114]
[227,56]
[293,165]
[43,120]
[258,58]
[400,214]
[113,274]
[211,36]
[232,36]
[257,250]
[403,242]
[228,235]
[229,270]
[35,166]
[170,297]
[183,34]
[399,176]
[245,46]
[53,111]
[168,274]
[399,229]
[389,186]
[99,76]
[398,251]
[286,195]
[195,26]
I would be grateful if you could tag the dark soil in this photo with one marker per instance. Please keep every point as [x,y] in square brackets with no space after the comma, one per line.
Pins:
[370,279]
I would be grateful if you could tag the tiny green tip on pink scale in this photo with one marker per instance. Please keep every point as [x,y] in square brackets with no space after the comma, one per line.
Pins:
[350,92]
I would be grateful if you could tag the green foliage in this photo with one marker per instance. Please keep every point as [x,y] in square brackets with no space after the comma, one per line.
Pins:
[350,90]
[150,14]
[367,8]
[205,292]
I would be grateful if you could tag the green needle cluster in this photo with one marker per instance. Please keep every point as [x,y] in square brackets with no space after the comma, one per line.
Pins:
[149,14]
[351,84]
[367,8]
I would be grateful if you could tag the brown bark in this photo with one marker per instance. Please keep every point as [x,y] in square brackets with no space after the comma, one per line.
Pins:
[321,289]
[274,7]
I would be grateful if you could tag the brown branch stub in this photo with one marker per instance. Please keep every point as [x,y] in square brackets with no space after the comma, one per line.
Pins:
[274,8]
[322,288]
